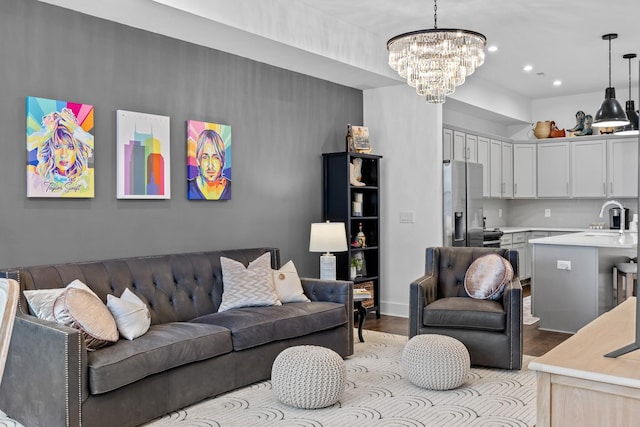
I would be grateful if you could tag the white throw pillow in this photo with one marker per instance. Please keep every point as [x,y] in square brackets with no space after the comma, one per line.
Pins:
[288,285]
[130,313]
[247,287]
[41,300]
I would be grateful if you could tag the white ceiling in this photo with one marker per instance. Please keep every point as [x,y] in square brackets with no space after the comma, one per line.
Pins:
[345,41]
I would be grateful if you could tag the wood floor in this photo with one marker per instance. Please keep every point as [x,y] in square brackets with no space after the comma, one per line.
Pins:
[534,341]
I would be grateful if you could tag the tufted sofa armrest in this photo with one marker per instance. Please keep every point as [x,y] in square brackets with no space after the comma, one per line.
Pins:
[340,291]
[46,362]
[422,292]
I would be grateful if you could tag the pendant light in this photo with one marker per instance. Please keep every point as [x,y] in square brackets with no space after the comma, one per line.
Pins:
[632,115]
[610,113]
[437,60]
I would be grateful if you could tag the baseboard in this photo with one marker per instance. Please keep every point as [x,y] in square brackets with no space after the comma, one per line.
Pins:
[394,309]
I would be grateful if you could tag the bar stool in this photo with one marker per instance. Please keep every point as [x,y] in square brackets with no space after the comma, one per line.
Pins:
[627,272]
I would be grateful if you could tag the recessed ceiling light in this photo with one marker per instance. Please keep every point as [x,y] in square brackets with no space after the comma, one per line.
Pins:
[492,48]
[527,67]
[557,82]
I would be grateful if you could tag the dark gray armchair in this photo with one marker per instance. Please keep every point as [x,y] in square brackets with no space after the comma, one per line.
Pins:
[439,304]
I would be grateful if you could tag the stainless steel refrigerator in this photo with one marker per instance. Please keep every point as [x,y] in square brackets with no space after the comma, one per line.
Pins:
[462,203]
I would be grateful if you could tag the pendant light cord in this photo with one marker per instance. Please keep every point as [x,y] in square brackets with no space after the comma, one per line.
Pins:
[630,78]
[609,61]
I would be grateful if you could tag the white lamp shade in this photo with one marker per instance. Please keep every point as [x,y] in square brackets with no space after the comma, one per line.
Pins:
[328,237]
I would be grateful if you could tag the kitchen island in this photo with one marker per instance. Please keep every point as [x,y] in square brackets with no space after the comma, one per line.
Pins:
[573,276]
[577,386]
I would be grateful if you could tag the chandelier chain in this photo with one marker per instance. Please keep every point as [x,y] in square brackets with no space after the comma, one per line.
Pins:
[435,13]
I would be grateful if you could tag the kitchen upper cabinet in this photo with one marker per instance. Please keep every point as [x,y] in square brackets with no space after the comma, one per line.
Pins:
[589,169]
[465,147]
[622,170]
[447,144]
[483,154]
[524,171]
[507,170]
[459,146]
[472,148]
[495,173]
[553,169]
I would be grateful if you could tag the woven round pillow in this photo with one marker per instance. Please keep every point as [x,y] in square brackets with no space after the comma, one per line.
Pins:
[436,362]
[308,377]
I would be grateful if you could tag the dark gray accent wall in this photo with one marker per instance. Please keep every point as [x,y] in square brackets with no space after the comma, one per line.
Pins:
[281,124]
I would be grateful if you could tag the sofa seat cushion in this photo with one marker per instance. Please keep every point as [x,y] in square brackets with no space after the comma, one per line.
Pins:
[163,347]
[254,326]
[465,313]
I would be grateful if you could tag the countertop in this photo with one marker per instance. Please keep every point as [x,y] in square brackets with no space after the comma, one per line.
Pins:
[508,230]
[592,238]
[581,355]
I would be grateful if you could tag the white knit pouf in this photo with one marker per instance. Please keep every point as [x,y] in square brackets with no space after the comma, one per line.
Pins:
[308,376]
[436,362]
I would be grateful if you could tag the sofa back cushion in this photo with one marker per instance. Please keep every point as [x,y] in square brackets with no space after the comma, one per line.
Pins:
[175,287]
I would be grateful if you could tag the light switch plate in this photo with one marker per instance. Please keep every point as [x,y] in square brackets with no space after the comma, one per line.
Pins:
[407,217]
[563,265]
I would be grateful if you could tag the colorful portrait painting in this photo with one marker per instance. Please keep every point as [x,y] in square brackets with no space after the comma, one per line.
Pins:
[59,148]
[143,156]
[208,161]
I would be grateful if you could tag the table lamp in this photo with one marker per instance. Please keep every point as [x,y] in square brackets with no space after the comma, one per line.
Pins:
[327,237]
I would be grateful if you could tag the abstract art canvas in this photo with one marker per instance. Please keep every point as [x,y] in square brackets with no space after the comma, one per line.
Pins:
[143,157]
[208,161]
[59,148]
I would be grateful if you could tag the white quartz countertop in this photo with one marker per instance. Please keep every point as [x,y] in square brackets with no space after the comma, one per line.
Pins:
[508,230]
[593,238]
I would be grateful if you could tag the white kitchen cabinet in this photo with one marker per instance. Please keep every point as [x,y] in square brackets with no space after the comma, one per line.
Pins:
[484,159]
[471,142]
[507,170]
[524,171]
[447,144]
[622,170]
[459,146]
[528,252]
[495,173]
[589,169]
[465,146]
[553,169]
[516,242]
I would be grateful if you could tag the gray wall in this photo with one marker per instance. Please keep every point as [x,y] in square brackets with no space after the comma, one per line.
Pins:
[281,123]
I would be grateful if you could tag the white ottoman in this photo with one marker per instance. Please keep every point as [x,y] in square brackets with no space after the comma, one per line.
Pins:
[308,376]
[436,362]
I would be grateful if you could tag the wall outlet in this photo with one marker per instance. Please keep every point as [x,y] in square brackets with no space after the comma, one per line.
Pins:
[547,213]
[563,265]
[500,213]
[407,217]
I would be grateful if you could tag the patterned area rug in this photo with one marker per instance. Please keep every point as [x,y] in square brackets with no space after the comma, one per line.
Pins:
[527,317]
[378,395]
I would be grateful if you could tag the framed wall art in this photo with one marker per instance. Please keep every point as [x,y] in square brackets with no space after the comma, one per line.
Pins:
[143,157]
[208,161]
[60,147]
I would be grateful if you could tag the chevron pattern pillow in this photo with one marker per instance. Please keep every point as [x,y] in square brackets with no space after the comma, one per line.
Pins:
[247,287]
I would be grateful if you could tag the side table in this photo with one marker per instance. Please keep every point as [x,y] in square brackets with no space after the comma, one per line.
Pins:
[362,311]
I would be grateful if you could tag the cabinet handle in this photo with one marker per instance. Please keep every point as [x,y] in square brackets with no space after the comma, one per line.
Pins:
[611,187]
[567,187]
[604,188]
[515,188]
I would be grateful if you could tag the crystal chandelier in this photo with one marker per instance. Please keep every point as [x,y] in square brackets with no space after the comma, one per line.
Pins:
[436,61]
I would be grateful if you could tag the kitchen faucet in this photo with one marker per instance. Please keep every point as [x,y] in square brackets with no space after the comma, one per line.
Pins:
[618,204]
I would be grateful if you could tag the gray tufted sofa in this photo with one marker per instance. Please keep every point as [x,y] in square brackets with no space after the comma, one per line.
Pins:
[190,353]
